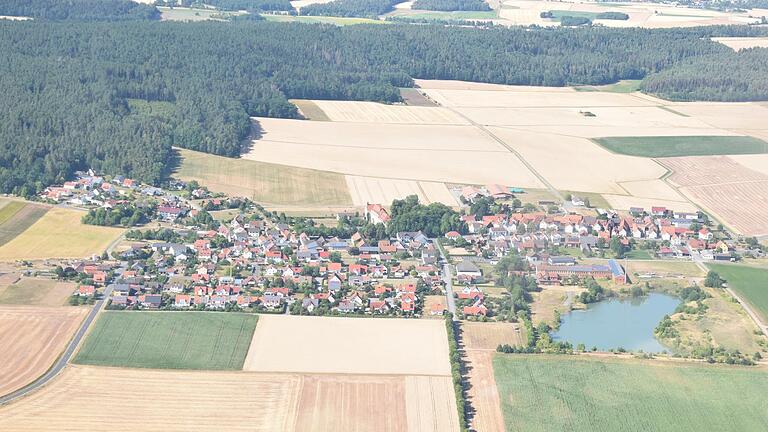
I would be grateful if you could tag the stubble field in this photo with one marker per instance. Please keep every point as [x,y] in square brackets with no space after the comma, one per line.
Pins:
[548,393]
[32,338]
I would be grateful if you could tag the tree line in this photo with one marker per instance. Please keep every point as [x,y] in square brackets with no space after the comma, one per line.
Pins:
[84,10]
[237,5]
[117,96]
[350,8]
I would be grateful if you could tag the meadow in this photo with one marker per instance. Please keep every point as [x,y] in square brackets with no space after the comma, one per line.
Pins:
[264,182]
[750,283]
[169,340]
[559,393]
[57,233]
[671,146]
[35,291]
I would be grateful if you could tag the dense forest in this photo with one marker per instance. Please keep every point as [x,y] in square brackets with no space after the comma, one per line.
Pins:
[80,95]
[730,76]
[85,10]
[451,5]
[351,8]
[248,5]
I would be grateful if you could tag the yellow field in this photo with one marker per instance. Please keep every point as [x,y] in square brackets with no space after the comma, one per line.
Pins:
[59,234]
[87,397]
[740,43]
[372,112]
[487,336]
[284,343]
[264,183]
[379,190]
[32,338]
[396,151]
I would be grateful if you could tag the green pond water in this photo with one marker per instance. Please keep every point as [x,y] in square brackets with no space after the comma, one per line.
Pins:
[618,323]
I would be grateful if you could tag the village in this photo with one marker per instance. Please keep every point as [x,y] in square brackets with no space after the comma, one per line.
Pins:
[255,262]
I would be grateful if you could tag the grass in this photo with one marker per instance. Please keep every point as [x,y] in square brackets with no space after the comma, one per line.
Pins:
[169,340]
[670,146]
[58,233]
[155,109]
[623,86]
[558,14]
[638,254]
[16,217]
[339,21]
[310,110]
[270,184]
[453,15]
[565,393]
[40,292]
[750,283]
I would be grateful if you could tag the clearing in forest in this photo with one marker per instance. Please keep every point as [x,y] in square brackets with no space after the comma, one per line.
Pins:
[567,393]
[32,339]
[169,340]
[58,233]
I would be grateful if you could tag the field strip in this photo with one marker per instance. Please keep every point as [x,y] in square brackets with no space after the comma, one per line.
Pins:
[366,190]
[413,149]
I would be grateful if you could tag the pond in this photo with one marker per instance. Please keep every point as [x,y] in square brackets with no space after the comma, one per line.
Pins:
[618,323]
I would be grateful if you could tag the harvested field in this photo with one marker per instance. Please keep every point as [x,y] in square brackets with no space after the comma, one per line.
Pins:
[369,346]
[483,393]
[740,43]
[373,112]
[585,394]
[625,202]
[58,234]
[487,336]
[16,217]
[378,190]
[461,154]
[544,98]
[726,115]
[33,337]
[652,189]
[263,182]
[169,340]
[37,292]
[310,110]
[733,193]
[757,163]
[81,397]
[666,146]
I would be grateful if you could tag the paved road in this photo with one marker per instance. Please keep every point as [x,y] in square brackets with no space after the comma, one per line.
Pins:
[64,359]
[447,278]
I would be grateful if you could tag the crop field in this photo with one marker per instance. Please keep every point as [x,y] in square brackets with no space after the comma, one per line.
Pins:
[487,336]
[59,234]
[749,282]
[309,110]
[232,401]
[169,340]
[757,163]
[733,193]
[264,182]
[667,146]
[379,190]
[373,112]
[281,344]
[566,393]
[740,43]
[16,217]
[455,153]
[38,292]
[648,15]
[32,338]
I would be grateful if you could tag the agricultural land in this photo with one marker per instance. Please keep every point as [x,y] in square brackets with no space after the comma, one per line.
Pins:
[58,233]
[543,393]
[169,340]
[751,283]
[16,217]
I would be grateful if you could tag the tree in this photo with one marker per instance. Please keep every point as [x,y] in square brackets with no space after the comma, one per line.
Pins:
[713,280]
[617,247]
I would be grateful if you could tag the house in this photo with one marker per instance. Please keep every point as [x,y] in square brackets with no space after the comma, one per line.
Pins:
[170,213]
[182,300]
[478,308]
[578,201]
[86,291]
[468,268]
[310,304]
[497,191]
[561,260]
[376,213]
[378,306]
[437,309]
[151,301]
[618,275]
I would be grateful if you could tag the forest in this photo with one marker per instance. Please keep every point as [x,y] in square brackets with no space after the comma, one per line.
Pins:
[93,95]
[350,8]
[84,10]
[451,5]
[248,5]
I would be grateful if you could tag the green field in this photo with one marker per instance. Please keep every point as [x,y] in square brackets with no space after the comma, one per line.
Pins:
[449,16]
[669,146]
[310,110]
[750,283]
[267,183]
[558,14]
[623,86]
[339,21]
[169,340]
[9,210]
[574,394]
